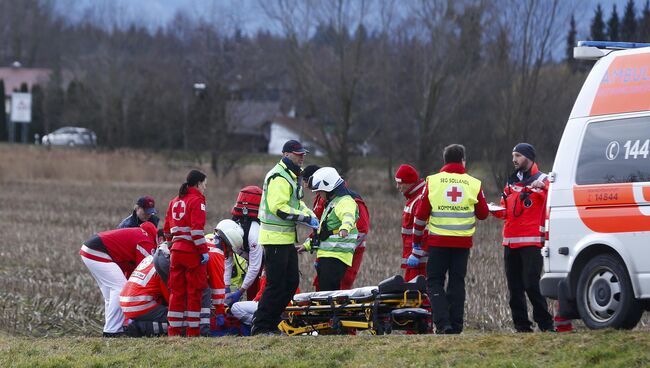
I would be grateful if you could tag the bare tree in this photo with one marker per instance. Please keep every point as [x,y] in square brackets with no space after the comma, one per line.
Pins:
[525,34]
[327,74]
[440,74]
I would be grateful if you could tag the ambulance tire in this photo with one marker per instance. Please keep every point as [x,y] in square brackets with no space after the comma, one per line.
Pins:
[604,297]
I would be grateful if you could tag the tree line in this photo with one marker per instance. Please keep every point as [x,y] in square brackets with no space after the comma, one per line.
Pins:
[405,78]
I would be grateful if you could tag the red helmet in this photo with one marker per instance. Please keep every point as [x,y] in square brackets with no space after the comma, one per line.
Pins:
[248,202]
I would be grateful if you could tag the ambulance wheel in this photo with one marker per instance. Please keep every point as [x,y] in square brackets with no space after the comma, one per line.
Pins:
[605,298]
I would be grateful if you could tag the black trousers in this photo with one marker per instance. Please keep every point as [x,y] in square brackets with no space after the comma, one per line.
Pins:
[330,273]
[152,323]
[523,271]
[447,306]
[282,279]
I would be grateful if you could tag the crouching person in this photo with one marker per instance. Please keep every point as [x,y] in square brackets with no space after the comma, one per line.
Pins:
[227,235]
[244,311]
[111,256]
[145,296]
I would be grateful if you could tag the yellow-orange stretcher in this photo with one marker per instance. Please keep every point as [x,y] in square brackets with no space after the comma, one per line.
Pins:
[392,305]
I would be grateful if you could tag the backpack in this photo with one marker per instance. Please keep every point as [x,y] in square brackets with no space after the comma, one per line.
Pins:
[246,208]
[248,202]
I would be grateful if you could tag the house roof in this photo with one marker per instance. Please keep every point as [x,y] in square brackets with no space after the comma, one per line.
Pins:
[13,77]
[248,117]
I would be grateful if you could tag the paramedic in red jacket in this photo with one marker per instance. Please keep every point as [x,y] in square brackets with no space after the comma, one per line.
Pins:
[227,235]
[111,256]
[145,296]
[524,200]
[408,183]
[363,227]
[184,223]
[451,203]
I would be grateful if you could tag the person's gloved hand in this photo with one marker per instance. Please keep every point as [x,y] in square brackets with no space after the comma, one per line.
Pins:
[227,289]
[204,258]
[313,223]
[234,297]
[412,261]
[220,319]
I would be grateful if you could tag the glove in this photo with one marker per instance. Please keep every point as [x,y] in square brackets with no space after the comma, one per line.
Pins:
[234,297]
[204,258]
[313,223]
[227,289]
[220,319]
[412,261]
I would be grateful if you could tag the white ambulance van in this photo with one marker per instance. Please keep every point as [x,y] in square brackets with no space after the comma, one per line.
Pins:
[597,249]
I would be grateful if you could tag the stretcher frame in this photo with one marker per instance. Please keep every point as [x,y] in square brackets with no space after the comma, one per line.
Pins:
[393,305]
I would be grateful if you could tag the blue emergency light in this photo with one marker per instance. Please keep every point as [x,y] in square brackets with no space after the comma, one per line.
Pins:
[613,45]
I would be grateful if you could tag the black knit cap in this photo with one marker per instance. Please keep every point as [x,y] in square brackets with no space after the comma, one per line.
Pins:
[525,149]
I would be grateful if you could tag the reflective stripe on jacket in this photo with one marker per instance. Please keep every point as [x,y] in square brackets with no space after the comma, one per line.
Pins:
[143,291]
[525,210]
[215,269]
[413,196]
[184,222]
[281,192]
[452,197]
[341,213]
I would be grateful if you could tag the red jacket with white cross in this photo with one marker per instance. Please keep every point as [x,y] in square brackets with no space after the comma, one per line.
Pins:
[184,223]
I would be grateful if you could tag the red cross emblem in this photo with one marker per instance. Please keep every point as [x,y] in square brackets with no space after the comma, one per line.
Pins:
[454,194]
[178,210]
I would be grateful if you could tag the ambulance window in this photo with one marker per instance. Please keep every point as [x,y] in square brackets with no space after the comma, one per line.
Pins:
[615,151]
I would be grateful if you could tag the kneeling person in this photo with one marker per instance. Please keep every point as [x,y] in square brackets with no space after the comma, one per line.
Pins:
[145,296]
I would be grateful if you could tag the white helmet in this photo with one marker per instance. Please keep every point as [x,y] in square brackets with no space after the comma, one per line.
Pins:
[231,233]
[325,179]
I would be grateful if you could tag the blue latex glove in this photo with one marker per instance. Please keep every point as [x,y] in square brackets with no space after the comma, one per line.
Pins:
[412,261]
[416,246]
[227,289]
[234,297]
[221,320]
[313,223]
[204,258]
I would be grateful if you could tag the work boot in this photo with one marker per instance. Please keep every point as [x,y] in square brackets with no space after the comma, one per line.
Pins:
[114,334]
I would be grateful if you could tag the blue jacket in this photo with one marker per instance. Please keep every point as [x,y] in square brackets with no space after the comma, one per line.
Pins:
[134,221]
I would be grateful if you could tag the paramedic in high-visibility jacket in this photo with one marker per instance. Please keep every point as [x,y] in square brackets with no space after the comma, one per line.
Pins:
[363,227]
[281,208]
[524,200]
[184,223]
[451,202]
[337,236]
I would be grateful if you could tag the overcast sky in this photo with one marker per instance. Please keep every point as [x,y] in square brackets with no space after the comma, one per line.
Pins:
[248,14]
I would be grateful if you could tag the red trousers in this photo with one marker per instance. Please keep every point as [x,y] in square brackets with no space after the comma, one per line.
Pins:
[411,272]
[187,279]
[350,274]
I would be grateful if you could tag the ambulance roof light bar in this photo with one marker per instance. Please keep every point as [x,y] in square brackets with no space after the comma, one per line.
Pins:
[594,50]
